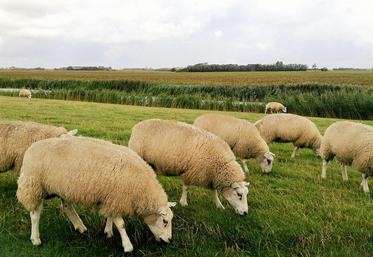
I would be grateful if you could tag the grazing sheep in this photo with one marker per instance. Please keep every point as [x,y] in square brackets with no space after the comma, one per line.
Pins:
[201,158]
[242,136]
[90,171]
[275,107]
[25,93]
[17,136]
[290,128]
[352,144]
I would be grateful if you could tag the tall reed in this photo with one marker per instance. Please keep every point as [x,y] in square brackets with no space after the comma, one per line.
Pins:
[341,101]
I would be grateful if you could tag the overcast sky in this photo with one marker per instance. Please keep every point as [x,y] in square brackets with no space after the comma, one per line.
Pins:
[161,33]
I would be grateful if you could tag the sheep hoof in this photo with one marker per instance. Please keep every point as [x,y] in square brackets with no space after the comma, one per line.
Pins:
[81,229]
[220,206]
[128,248]
[109,234]
[183,203]
[366,190]
[36,241]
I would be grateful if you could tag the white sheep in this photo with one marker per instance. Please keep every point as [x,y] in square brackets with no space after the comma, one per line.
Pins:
[241,135]
[201,158]
[90,171]
[275,107]
[17,136]
[290,128]
[25,93]
[351,144]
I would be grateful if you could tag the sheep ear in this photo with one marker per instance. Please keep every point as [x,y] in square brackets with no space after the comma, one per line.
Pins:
[162,211]
[246,183]
[235,185]
[171,204]
[269,155]
[72,132]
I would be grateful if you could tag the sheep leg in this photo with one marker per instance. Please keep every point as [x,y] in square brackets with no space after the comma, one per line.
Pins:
[183,200]
[109,228]
[364,183]
[344,172]
[73,216]
[35,218]
[295,152]
[126,242]
[244,166]
[324,168]
[217,200]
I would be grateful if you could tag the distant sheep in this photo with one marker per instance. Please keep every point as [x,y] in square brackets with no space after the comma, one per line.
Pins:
[17,136]
[352,144]
[199,157]
[25,93]
[290,128]
[242,136]
[90,171]
[275,107]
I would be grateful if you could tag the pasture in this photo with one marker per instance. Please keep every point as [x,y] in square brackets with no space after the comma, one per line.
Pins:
[363,78]
[291,211]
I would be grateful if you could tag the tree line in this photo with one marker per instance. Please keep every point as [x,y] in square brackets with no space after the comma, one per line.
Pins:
[278,66]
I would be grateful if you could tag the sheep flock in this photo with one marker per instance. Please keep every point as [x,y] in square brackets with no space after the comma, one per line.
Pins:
[122,181]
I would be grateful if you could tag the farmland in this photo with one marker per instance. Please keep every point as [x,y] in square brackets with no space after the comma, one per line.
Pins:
[363,78]
[291,211]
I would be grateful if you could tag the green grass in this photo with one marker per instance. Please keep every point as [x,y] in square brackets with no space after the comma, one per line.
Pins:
[291,211]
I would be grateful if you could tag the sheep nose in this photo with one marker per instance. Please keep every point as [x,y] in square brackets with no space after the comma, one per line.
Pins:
[166,240]
[245,213]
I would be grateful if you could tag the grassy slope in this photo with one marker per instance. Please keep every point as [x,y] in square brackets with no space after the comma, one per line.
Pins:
[292,212]
[364,78]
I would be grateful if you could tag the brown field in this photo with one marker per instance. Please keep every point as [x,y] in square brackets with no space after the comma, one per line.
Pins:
[364,78]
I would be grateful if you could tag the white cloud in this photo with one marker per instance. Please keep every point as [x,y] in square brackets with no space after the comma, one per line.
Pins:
[172,33]
[218,33]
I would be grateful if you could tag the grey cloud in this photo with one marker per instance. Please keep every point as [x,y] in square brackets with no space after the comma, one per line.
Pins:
[333,33]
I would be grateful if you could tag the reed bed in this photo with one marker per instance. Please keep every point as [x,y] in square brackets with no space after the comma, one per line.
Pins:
[321,100]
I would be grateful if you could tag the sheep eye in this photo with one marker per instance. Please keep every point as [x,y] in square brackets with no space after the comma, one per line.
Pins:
[239,195]
[165,222]
[269,162]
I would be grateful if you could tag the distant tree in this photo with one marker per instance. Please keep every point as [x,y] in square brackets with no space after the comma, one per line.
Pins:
[278,66]
[314,66]
[324,69]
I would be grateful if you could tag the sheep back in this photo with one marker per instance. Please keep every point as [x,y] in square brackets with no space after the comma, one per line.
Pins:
[17,136]
[290,128]
[89,171]
[176,148]
[351,143]
[25,93]
[276,106]
[241,135]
